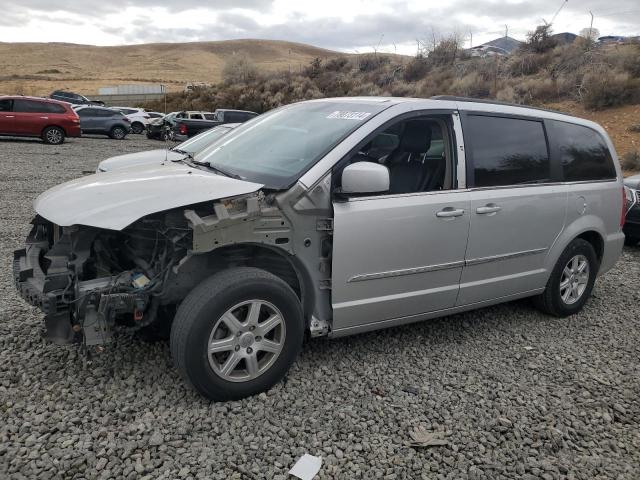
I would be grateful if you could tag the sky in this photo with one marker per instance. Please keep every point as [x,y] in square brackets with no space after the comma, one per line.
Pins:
[344,25]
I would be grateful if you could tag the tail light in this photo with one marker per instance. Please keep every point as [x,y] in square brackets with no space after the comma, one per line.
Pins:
[623,213]
[126,120]
[183,129]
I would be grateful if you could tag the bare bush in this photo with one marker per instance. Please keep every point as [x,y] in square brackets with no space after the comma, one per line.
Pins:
[540,40]
[630,161]
[239,68]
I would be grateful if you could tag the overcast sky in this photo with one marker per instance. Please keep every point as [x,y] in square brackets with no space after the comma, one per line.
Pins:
[345,25]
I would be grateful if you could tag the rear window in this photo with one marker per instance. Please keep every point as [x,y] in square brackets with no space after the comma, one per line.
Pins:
[506,151]
[584,155]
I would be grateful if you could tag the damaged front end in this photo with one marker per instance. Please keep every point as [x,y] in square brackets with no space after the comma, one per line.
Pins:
[89,280]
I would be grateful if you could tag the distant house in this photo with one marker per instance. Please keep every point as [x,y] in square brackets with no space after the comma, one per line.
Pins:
[608,39]
[502,46]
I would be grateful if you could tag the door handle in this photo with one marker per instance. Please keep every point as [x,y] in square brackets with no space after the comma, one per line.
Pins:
[9,116]
[490,208]
[450,212]
[45,118]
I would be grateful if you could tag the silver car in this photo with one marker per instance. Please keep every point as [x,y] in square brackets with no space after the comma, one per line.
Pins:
[328,217]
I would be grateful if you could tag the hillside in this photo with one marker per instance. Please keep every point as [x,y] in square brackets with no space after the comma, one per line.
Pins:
[39,68]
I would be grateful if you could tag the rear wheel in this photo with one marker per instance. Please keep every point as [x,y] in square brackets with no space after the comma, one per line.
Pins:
[118,133]
[137,128]
[571,280]
[237,334]
[53,135]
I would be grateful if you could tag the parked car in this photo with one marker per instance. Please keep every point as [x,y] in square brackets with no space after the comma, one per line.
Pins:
[104,121]
[632,222]
[74,98]
[184,128]
[303,221]
[138,117]
[38,117]
[162,129]
[191,148]
[154,115]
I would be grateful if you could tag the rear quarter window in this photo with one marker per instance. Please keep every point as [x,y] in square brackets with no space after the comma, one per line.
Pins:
[506,151]
[53,108]
[583,153]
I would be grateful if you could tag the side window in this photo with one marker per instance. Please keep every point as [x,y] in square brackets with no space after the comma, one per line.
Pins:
[505,151]
[53,108]
[86,112]
[416,153]
[5,105]
[28,106]
[583,153]
[209,116]
[196,116]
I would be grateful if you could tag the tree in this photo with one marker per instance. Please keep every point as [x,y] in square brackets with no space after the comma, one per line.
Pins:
[591,34]
[540,40]
[239,68]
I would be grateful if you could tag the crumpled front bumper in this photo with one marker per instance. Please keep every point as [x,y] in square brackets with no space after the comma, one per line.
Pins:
[49,292]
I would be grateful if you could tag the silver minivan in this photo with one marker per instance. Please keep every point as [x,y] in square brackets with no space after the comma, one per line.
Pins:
[328,218]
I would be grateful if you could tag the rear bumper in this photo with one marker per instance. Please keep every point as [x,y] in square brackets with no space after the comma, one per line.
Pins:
[73,131]
[613,245]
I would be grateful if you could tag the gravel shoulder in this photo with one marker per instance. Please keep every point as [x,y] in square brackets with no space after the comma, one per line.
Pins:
[515,393]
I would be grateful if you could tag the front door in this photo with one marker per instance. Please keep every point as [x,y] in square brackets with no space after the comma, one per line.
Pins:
[400,254]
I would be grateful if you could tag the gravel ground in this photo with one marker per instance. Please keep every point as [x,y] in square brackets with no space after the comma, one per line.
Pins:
[515,393]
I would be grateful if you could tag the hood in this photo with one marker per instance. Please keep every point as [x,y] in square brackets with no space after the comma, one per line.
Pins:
[150,157]
[633,182]
[114,200]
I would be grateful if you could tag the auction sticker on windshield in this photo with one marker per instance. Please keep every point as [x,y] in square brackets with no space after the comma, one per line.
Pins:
[345,115]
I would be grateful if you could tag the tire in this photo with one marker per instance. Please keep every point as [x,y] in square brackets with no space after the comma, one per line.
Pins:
[165,136]
[631,241]
[560,302]
[220,306]
[53,136]
[118,133]
[137,128]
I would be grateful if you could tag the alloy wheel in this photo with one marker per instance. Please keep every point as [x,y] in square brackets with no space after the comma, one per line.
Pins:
[246,341]
[54,136]
[574,279]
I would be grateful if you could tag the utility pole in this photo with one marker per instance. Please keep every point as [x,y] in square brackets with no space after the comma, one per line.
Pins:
[591,26]
[470,39]
[506,31]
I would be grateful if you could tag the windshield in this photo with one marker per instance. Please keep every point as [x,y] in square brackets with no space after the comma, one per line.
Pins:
[278,147]
[198,143]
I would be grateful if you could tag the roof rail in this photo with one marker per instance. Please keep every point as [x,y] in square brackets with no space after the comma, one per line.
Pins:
[454,98]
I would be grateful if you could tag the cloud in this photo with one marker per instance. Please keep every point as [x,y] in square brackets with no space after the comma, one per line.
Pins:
[330,24]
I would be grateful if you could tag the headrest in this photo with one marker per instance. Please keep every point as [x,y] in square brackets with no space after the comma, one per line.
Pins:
[416,137]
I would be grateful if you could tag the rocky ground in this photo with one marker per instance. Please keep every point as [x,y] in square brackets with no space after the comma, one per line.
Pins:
[516,394]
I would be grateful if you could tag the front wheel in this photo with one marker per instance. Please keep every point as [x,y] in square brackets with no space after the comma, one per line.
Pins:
[237,334]
[137,128]
[571,280]
[53,135]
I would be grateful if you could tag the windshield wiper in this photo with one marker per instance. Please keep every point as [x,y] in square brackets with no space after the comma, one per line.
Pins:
[223,172]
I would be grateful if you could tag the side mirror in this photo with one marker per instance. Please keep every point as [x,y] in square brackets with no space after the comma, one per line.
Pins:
[365,177]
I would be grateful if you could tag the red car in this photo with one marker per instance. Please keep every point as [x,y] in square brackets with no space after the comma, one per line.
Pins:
[38,117]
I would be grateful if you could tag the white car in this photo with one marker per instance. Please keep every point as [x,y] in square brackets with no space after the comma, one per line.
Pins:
[191,148]
[138,117]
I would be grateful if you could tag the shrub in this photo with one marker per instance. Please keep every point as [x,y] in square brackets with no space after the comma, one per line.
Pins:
[635,128]
[416,69]
[540,40]
[630,161]
[239,68]
[603,89]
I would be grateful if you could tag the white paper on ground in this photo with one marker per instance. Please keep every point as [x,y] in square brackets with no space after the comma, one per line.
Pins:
[307,467]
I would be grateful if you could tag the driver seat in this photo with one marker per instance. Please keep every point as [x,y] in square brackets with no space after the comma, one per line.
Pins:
[406,162]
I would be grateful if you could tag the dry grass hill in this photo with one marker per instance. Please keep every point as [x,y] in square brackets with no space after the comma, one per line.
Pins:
[39,68]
